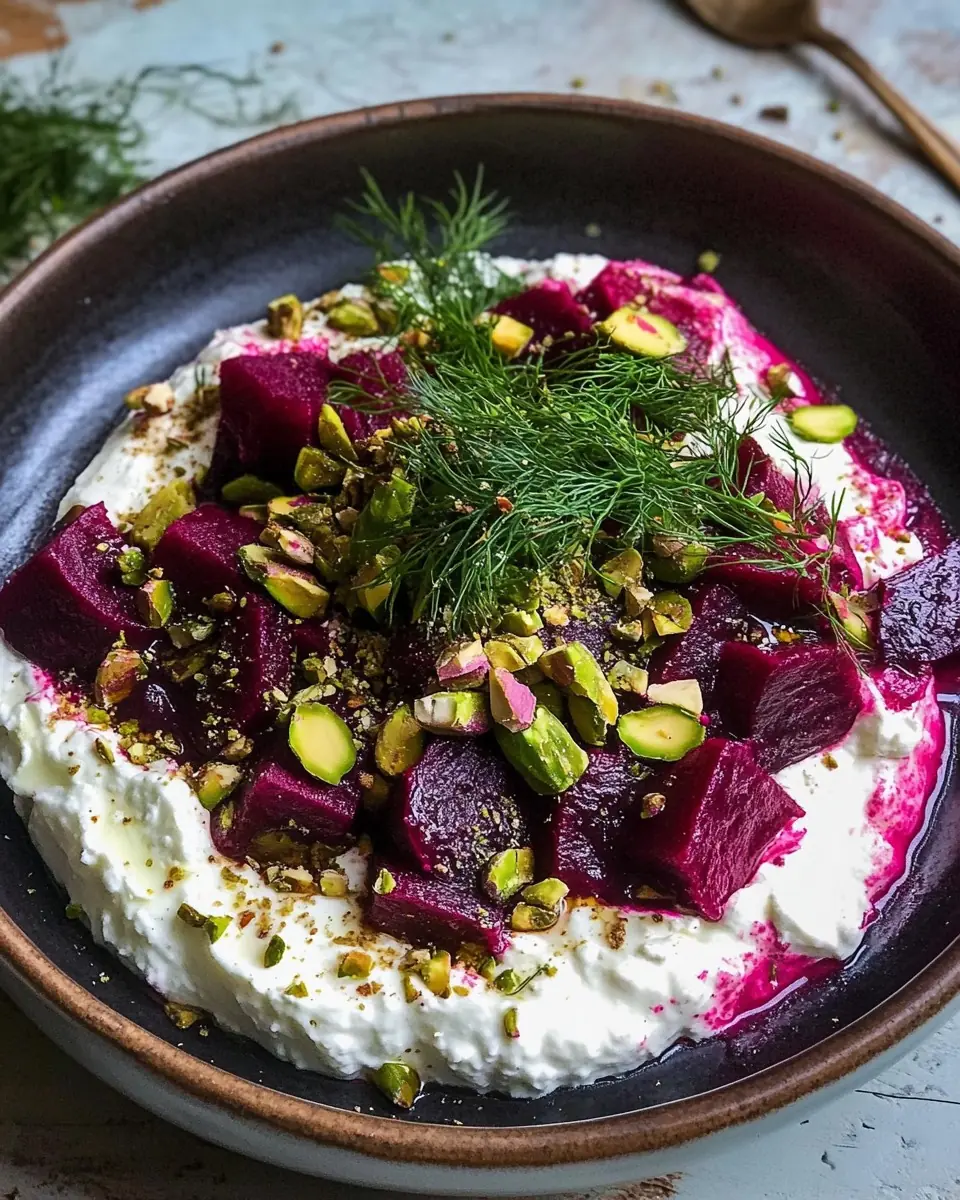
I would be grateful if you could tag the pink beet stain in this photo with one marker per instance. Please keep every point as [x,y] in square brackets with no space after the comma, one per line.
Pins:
[307,345]
[657,1009]
[767,973]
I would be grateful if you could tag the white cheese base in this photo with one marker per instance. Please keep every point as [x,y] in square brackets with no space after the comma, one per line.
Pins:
[625,985]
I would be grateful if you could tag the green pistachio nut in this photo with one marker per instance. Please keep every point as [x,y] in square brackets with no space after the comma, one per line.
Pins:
[355,317]
[399,1082]
[355,964]
[249,489]
[671,613]
[435,973]
[511,1023]
[852,615]
[155,602]
[550,696]
[681,693]
[675,561]
[384,883]
[291,544]
[172,501]
[298,989]
[371,586]
[315,469]
[387,511]
[662,732]
[285,318]
[625,567]
[190,631]
[587,720]
[214,782]
[400,742]
[462,665]
[322,742]
[592,701]
[623,676]
[459,714]
[643,332]
[276,948]
[507,872]
[520,621]
[548,893]
[216,927]
[118,675]
[823,422]
[531,918]
[510,337]
[332,434]
[545,754]
[333,883]
[132,564]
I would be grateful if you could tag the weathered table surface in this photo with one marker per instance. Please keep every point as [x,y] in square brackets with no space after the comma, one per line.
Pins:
[62,1134]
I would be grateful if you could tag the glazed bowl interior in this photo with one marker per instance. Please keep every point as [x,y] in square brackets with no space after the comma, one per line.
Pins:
[847,285]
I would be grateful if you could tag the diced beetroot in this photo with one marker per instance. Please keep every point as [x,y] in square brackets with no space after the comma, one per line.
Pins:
[378,375]
[198,552]
[759,475]
[583,842]
[920,611]
[66,606]
[721,811]
[164,708]
[718,615]
[312,637]
[258,643]
[280,795]
[269,405]
[792,702]
[428,911]
[412,659]
[549,308]
[781,594]
[619,283]
[457,807]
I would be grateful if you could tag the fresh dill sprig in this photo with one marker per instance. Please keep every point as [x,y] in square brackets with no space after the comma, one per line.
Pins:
[522,467]
[68,148]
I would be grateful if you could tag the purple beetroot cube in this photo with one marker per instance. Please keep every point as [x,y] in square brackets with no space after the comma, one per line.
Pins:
[428,911]
[65,607]
[619,283]
[269,405]
[550,310]
[920,611]
[718,616]
[781,593]
[165,707]
[721,811]
[792,702]
[279,795]
[459,805]
[258,643]
[381,377]
[198,552]
[759,475]
[412,659]
[584,840]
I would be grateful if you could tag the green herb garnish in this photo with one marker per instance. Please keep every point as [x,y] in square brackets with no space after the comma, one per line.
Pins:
[524,465]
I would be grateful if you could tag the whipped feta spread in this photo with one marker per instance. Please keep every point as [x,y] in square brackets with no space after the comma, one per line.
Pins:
[131,844]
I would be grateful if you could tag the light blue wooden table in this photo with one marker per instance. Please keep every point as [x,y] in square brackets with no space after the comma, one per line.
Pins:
[64,1135]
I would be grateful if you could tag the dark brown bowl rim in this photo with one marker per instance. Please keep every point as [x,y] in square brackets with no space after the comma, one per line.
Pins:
[482,1147]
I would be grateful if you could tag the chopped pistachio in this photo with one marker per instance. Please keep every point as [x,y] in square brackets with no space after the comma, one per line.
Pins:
[435,973]
[355,317]
[510,337]
[237,749]
[355,964]
[410,990]
[371,584]
[507,872]
[384,883]
[652,804]
[189,915]
[501,654]
[182,1015]
[332,434]
[293,545]
[74,912]
[333,883]
[214,782]
[625,567]
[674,561]
[172,501]
[400,742]
[461,714]
[548,893]
[315,469]
[155,399]
[141,753]
[276,948]
[249,489]
[293,589]
[104,751]
[671,613]
[132,563]
[221,602]
[636,599]
[118,675]
[97,716]
[625,677]
[155,601]
[708,261]
[643,332]
[216,927]
[399,1082]
[508,981]
[297,989]
[545,754]
[462,665]
[683,693]
[375,793]
[531,918]
[388,509]
[826,423]
[285,318]
[511,1024]
[189,631]
[852,614]
[322,741]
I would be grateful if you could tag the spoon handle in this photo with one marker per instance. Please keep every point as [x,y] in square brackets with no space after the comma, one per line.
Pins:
[939,149]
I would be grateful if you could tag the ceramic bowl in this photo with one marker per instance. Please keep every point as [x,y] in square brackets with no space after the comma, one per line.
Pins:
[866,296]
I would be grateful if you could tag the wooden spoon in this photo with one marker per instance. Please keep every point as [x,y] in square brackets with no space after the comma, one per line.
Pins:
[769,24]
